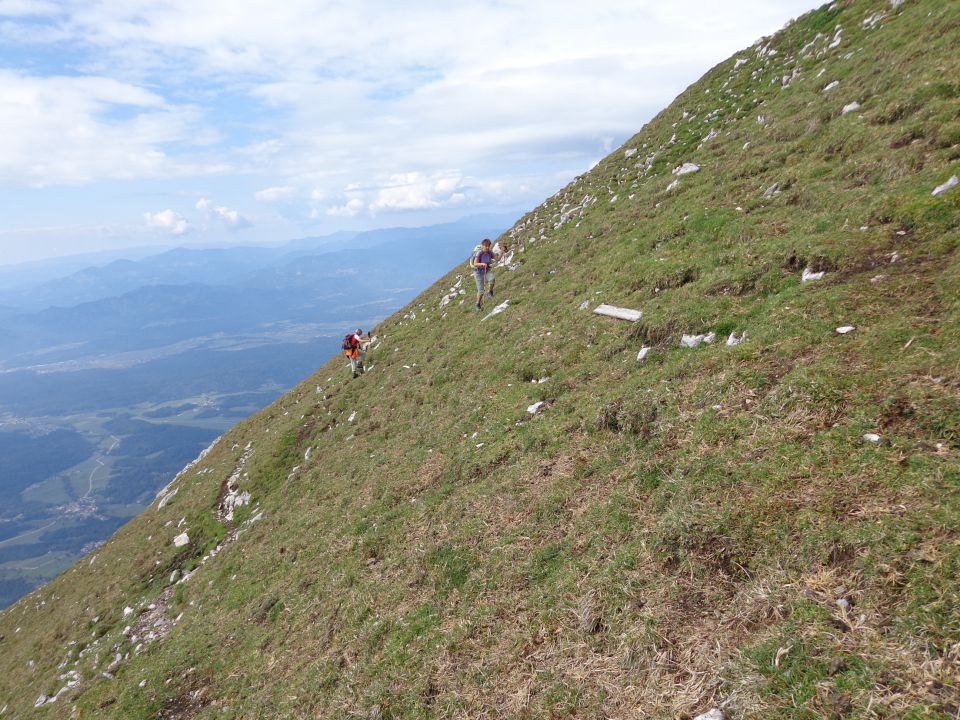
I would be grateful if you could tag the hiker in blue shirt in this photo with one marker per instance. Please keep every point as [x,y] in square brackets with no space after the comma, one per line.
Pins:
[482,272]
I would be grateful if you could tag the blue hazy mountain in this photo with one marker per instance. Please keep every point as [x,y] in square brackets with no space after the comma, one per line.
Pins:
[211,266]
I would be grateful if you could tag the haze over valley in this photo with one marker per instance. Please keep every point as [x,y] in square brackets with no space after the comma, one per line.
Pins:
[114,376]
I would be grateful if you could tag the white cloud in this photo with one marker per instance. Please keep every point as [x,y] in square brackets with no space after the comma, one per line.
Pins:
[275,194]
[23,8]
[415,191]
[71,130]
[232,219]
[168,221]
[348,110]
[351,208]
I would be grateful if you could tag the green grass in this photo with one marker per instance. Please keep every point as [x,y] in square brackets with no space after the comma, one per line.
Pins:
[663,536]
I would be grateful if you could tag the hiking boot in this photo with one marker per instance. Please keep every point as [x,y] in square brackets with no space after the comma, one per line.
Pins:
[491,292]
[479,306]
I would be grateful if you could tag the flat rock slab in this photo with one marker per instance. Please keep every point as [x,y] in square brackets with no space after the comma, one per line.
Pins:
[687,168]
[618,312]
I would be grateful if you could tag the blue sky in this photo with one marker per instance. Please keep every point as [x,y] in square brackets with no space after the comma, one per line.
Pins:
[169,122]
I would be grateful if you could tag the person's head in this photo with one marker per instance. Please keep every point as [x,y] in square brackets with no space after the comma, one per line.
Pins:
[359,331]
[486,244]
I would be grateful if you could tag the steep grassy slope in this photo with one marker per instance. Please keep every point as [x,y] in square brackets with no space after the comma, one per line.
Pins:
[710,526]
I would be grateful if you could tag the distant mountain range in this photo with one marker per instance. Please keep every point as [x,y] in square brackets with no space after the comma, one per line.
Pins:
[35,286]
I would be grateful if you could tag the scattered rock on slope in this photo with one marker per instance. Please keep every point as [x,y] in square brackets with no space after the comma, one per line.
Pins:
[686,169]
[948,185]
[714,714]
[692,341]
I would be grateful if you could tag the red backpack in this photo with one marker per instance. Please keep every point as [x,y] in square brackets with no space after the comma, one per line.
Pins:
[350,342]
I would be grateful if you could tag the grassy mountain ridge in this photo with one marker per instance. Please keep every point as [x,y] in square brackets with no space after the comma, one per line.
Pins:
[771,527]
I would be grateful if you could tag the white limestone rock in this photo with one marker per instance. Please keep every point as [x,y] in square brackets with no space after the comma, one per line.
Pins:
[497,310]
[852,107]
[734,340]
[686,168]
[181,540]
[535,408]
[810,276]
[831,86]
[844,329]
[166,498]
[871,437]
[948,185]
[642,355]
[772,190]
[692,341]
[618,312]
[713,714]
[837,39]
[714,133]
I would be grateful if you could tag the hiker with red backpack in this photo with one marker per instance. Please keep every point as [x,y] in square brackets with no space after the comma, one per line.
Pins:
[355,348]
[481,263]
